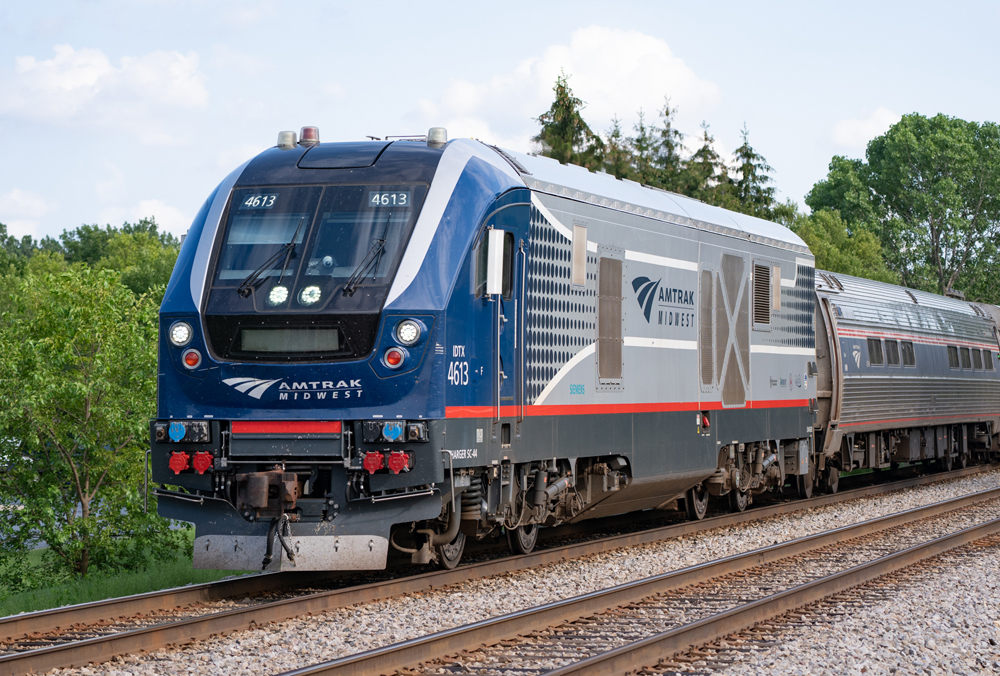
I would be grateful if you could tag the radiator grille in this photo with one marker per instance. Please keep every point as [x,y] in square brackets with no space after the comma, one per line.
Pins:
[609,319]
[761,294]
[705,337]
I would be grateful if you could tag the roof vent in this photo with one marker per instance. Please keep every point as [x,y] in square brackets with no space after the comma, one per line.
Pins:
[954,293]
[437,137]
[286,139]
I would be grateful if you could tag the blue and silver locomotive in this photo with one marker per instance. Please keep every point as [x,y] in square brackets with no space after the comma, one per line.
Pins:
[404,344]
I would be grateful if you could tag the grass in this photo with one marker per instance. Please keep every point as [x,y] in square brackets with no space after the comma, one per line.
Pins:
[98,586]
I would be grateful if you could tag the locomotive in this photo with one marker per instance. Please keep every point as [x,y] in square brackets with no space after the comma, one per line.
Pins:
[407,343]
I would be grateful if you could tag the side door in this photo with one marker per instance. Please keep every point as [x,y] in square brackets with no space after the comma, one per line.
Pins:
[505,261]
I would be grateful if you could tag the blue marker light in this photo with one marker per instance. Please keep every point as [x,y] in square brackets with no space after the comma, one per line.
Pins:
[176,431]
[392,430]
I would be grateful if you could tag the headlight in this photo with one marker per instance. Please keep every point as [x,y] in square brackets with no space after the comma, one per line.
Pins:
[310,295]
[278,295]
[180,334]
[407,332]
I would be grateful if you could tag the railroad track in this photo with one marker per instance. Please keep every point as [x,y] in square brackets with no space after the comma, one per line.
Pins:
[625,628]
[97,632]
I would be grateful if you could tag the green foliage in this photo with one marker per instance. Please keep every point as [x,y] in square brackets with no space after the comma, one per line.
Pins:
[77,388]
[930,191]
[751,184]
[654,156]
[564,135]
[141,258]
[161,573]
[837,250]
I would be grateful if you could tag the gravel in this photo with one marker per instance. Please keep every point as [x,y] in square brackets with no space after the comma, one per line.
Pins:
[944,618]
[308,640]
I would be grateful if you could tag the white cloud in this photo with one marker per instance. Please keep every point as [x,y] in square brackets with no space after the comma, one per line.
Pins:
[111,188]
[614,72]
[170,219]
[20,211]
[855,134]
[83,86]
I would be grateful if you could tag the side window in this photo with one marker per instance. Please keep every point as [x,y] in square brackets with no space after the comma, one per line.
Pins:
[953,356]
[977,360]
[482,256]
[579,273]
[892,353]
[875,352]
[966,358]
[988,359]
[908,357]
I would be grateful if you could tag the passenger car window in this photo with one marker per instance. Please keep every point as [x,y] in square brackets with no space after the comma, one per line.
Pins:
[966,359]
[953,356]
[908,357]
[875,352]
[977,360]
[988,358]
[892,353]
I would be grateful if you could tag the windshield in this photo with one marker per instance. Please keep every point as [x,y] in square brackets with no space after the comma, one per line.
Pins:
[317,245]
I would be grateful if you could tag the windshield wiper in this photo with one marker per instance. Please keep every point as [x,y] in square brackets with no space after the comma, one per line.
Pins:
[374,255]
[287,250]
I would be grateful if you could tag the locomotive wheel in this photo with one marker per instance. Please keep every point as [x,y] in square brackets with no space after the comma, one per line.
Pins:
[831,479]
[522,539]
[450,554]
[738,500]
[696,502]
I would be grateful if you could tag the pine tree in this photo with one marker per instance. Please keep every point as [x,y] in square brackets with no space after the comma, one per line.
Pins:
[754,195]
[643,146]
[564,135]
[705,175]
[667,154]
[617,158]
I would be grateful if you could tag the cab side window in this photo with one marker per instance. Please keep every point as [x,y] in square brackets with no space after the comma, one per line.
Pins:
[482,262]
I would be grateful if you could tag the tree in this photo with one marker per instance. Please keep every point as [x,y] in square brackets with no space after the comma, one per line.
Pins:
[667,152]
[564,135]
[142,259]
[937,184]
[77,388]
[643,150]
[617,158]
[837,250]
[846,191]
[706,176]
[752,190]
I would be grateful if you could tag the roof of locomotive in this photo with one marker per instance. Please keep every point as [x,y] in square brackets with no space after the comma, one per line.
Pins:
[547,175]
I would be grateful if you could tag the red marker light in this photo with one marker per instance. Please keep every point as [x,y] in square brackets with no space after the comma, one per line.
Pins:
[179,462]
[393,357]
[398,462]
[202,461]
[309,136]
[192,359]
[373,462]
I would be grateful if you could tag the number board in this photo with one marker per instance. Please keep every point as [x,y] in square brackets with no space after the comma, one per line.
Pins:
[396,198]
[259,201]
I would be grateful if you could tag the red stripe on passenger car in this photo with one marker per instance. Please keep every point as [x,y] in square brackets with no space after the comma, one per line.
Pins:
[604,409]
[285,427]
[927,340]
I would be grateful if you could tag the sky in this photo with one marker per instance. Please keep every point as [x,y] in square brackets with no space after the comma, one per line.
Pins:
[115,110]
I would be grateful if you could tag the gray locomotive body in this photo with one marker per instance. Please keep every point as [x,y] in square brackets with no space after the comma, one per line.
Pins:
[904,376]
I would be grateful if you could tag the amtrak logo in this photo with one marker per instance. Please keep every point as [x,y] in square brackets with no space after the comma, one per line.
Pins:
[645,293]
[857,356]
[255,387]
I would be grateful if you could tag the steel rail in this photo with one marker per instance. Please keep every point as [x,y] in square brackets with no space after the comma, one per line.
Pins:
[648,651]
[409,653]
[100,649]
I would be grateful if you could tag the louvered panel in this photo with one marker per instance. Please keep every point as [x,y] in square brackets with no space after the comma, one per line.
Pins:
[609,319]
[761,294]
